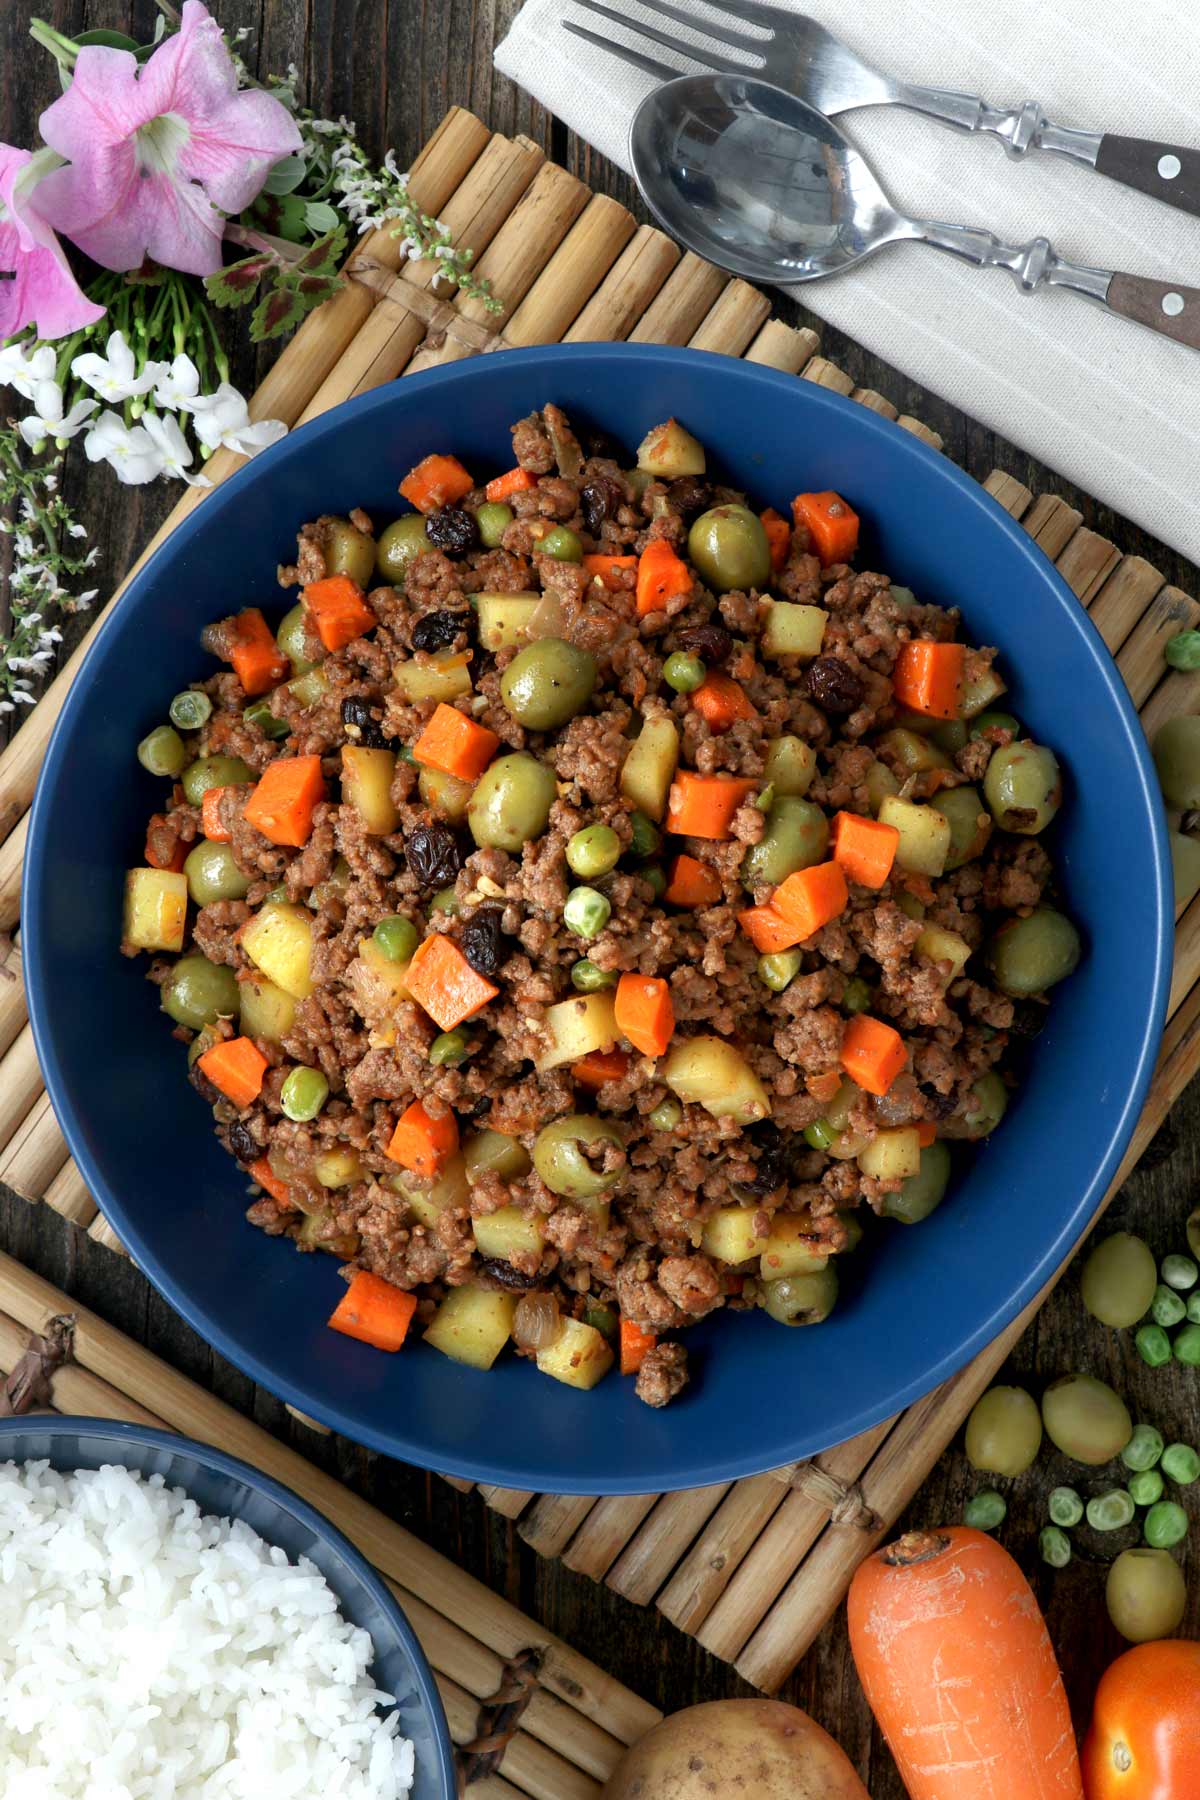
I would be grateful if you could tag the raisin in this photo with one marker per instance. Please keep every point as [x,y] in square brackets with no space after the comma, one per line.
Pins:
[453,530]
[833,685]
[1029,1018]
[937,1105]
[481,940]
[599,500]
[771,1170]
[438,630]
[689,495]
[505,1276]
[711,643]
[600,443]
[241,1143]
[358,724]
[432,854]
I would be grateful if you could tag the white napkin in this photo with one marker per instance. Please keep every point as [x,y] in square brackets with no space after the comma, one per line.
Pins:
[1113,406]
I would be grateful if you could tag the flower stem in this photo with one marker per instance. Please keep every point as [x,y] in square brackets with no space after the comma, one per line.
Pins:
[64,50]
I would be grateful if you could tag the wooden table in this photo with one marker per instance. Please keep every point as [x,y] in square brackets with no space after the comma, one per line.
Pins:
[395,69]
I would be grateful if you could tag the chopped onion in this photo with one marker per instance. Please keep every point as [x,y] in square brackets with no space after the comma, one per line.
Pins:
[536,1322]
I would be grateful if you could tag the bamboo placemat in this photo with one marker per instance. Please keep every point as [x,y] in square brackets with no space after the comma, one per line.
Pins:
[752,1569]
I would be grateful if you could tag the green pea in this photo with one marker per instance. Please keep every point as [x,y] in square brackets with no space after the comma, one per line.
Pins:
[212,874]
[548,683]
[728,547]
[493,519]
[1023,787]
[950,736]
[779,968]
[446,901]
[562,544]
[449,1049]
[986,1510]
[1177,759]
[560,1160]
[349,551]
[922,1193]
[586,912]
[602,1319]
[995,721]
[1118,1280]
[198,992]
[1146,1487]
[190,710]
[1186,1346]
[397,937]
[1055,1547]
[655,880]
[399,545]
[210,772]
[1167,1307]
[303,1094]
[1180,1464]
[819,1135]
[796,837]
[801,1299]
[1064,1506]
[593,851]
[1111,1511]
[510,803]
[684,673]
[588,979]
[1165,1525]
[857,996]
[1179,1272]
[1144,1448]
[293,639]
[1030,954]
[1183,650]
[667,1115]
[1153,1345]
[162,752]
[645,837]
[1193,1308]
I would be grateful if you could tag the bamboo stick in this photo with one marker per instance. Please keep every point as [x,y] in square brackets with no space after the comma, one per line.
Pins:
[732,320]
[20,1085]
[686,298]
[627,290]
[875,402]
[1177,692]
[101,1232]
[1011,494]
[69,1198]
[925,433]
[1123,601]
[1051,523]
[510,1503]
[715,1557]
[647,1561]
[785,347]
[1140,659]
[554,1520]
[310,1424]
[604,1533]
[1186,969]
[827,374]
[1086,564]
[12,850]
[457,1482]
[572,275]
[35,1153]
[13,1010]
[535,1770]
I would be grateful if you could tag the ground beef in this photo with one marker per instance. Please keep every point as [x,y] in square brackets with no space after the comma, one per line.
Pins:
[663,1374]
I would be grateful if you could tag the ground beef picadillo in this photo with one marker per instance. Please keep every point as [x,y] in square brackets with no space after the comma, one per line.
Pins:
[656,1255]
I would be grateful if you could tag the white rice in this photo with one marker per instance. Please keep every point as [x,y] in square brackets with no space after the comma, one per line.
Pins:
[150,1652]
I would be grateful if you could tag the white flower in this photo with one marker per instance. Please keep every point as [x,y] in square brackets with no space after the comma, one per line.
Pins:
[131,453]
[223,420]
[115,376]
[174,451]
[48,420]
[178,383]
[22,372]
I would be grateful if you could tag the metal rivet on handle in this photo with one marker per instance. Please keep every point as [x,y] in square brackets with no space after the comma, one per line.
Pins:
[1169,167]
[1172,305]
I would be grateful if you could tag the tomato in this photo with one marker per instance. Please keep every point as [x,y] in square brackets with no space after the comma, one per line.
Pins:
[1144,1742]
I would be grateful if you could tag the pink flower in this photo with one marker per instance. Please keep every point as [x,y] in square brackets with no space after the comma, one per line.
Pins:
[43,289]
[153,153]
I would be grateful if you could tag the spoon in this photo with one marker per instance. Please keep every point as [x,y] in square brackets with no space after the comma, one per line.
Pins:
[759,182]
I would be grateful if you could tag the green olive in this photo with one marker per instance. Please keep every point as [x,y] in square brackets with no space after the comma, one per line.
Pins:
[1004,1432]
[1146,1595]
[212,874]
[558,1156]
[210,772]
[547,683]
[797,836]
[729,548]
[1029,955]
[511,801]
[1023,787]
[402,541]
[197,991]
[922,1193]
[1177,759]
[294,640]
[1185,866]
[1119,1280]
[801,1299]
[970,824]
[950,735]
[982,1111]
[349,551]
[1086,1419]
[493,519]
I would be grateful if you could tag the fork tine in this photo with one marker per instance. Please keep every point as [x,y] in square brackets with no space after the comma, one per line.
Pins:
[710,59]
[661,71]
[754,12]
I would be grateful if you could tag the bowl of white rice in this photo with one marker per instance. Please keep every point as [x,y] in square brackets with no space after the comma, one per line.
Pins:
[176,1626]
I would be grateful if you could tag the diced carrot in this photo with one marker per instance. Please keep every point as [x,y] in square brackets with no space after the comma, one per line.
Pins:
[154,856]
[600,1066]
[210,816]
[832,525]
[824,1086]
[644,1013]
[661,576]
[374,1312]
[288,793]
[437,481]
[873,1053]
[810,898]
[865,848]
[605,568]
[262,1172]
[779,537]
[692,883]
[517,481]
[635,1345]
[442,981]
[338,610]
[455,744]
[237,1067]
[721,701]
[703,805]
[768,930]
[926,1132]
[423,1141]
[928,677]
[257,660]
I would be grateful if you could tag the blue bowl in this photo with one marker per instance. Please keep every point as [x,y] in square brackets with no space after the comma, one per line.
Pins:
[761,1396]
[230,1489]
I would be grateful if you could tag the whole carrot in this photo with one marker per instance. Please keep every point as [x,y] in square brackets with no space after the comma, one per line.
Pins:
[959,1670]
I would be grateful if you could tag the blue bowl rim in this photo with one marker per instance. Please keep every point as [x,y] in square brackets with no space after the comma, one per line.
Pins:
[122,1434]
[707,1464]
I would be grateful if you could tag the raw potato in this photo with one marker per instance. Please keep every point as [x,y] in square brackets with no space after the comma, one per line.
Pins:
[892,1154]
[266,1011]
[924,835]
[506,1233]
[155,909]
[939,945]
[736,1750]
[504,619]
[729,1234]
[649,768]
[580,1355]
[710,1073]
[790,766]
[668,450]
[442,677]
[278,940]
[574,1028]
[366,786]
[472,1326]
[793,630]
[789,1249]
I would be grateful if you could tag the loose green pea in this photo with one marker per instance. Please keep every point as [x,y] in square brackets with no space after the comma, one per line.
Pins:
[593,851]
[645,837]
[655,880]
[1180,1464]
[667,1115]
[1186,1346]
[303,1094]
[493,519]
[1153,1345]
[445,900]
[986,1510]
[397,937]
[1064,1506]
[586,912]
[1144,1448]
[162,752]
[1193,1308]
[1111,1511]
[1165,1525]
[190,710]
[562,544]
[819,1135]
[1055,1547]
[1183,650]
[778,969]
[1179,1272]
[259,713]
[588,979]
[1167,1307]
[684,673]
[1146,1487]
[449,1049]
[857,996]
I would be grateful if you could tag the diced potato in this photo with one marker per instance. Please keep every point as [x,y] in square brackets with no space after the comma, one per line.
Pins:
[155,909]
[442,677]
[649,768]
[880,784]
[913,752]
[790,765]
[338,1167]
[472,1326]
[729,1234]
[493,1150]
[910,905]
[366,785]
[924,835]
[504,619]
[574,1028]
[837,1113]
[278,940]
[940,945]
[378,984]
[507,1232]
[713,1074]
[892,1155]
[979,691]
[446,795]
[429,1198]
[793,630]
[668,450]
[310,687]
[789,1249]
[266,1011]
[579,1355]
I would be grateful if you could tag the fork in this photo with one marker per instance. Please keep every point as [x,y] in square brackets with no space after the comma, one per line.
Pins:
[794,52]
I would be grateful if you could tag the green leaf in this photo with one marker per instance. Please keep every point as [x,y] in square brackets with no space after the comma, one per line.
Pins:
[316,288]
[321,217]
[323,257]
[281,215]
[108,40]
[235,285]
[285,175]
[278,311]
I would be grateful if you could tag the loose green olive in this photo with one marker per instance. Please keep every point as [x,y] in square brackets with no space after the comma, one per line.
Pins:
[1086,1419]
[1146,1595]
[296,643]
[402,541]
[212,874]
[559,1156]
[1004,1432]
[970,824]
[982,1111]
[349,551]
[1185,866]
[197,991]
[922,1193]
[797,836]
[801,1299]
[1177,759]
[1119,1280]
[1029,955]
[1023,787]
[729,549]
[547,683]
[210,772]
[511,801]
